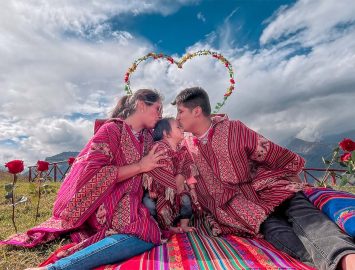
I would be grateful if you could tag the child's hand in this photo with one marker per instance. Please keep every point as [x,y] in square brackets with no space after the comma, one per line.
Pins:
[153,195]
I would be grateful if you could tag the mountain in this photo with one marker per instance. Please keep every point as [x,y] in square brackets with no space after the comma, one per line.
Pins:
[61,157]
[62,162]
[335,138]
[313,152]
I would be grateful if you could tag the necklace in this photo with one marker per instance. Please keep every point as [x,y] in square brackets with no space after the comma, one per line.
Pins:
[204,137]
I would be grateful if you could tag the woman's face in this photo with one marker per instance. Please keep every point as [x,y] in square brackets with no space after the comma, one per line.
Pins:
[152,113]
[176,133]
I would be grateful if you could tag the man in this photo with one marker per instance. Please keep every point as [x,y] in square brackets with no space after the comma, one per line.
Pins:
[251,186]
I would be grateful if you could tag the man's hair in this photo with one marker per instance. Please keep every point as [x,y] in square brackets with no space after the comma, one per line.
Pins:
[193,97]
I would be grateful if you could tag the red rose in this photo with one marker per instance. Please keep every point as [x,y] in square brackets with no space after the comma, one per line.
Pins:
[227,64]
[71,160]
[345,157]
[232,81]
[42,165]
[347,145]
[15,166]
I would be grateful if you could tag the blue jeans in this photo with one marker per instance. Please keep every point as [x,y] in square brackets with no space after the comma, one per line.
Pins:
[112,249]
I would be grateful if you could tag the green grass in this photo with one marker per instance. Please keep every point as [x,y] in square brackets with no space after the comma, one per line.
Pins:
[16,257]
[19,258]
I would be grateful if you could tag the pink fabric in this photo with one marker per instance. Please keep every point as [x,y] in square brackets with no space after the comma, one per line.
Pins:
[92,203]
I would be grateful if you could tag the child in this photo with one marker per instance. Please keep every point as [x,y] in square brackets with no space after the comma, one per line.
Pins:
[167,198]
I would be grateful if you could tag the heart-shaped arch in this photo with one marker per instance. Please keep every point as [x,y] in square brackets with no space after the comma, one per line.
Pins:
[219,57]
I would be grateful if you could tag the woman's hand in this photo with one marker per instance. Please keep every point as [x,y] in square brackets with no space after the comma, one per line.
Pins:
[150,161]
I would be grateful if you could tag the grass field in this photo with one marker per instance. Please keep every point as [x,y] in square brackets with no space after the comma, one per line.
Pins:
[19,258]
[12,258]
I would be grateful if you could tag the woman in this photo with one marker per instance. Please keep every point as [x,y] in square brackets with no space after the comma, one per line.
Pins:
[101,197]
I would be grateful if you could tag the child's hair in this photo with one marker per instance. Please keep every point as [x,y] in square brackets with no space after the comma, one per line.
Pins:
[162,125]
[193,97]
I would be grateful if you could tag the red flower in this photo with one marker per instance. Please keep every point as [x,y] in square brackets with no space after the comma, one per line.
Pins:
[15,166]
[345,157]
[42,165]
[71,161]
[347,145]
[227,64]
[232,81]
[171,60]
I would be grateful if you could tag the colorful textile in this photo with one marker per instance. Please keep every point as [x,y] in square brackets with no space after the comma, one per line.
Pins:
[243,175]
[339,206]
[92,203]
[162,181]
[197,251]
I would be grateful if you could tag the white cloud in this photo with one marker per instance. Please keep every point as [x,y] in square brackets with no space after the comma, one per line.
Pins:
[59,59]
[201,17]
[48,76]
[311,21]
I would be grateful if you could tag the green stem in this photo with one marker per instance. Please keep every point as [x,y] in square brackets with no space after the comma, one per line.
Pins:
[13,202]
[39,195]
[326,174]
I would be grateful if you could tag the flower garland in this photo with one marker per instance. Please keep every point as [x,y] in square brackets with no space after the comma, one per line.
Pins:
[179,64]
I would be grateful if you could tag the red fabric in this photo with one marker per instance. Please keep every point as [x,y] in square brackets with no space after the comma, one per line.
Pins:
[92,202]
[53,257]
[162,181]
[243,176]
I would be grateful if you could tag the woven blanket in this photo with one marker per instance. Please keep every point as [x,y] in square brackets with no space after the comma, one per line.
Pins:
[196,251]
[339,206]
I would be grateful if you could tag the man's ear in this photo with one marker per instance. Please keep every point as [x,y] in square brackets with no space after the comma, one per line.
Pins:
[197,111]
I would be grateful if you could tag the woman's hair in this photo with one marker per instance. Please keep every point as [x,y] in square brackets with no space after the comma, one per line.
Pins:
[161,126]
[127,104]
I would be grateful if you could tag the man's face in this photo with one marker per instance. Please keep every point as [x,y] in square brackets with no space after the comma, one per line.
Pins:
[185,118]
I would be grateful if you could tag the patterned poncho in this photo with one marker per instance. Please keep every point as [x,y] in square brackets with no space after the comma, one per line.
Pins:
[162,181]
[243,176]
[92,202]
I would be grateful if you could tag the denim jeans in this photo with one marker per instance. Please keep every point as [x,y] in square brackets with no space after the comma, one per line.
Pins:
[298,228]
[112,249]
[185,209]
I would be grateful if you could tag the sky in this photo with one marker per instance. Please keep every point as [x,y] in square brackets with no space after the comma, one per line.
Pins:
[62,65]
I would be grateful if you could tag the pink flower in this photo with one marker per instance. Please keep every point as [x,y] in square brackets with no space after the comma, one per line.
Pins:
[345,157]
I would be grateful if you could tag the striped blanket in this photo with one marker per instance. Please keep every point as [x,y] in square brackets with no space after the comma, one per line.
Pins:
[339,206]
[195,251]
[199,250]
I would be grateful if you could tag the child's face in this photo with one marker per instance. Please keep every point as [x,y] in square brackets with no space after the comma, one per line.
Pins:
[176,133]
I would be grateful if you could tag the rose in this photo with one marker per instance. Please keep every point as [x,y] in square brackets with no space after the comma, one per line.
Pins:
[71,161]
[347,145]
[15,166]
[345,157]
[42,165]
